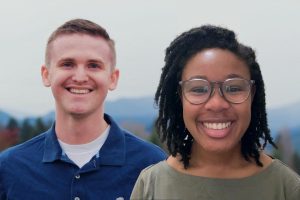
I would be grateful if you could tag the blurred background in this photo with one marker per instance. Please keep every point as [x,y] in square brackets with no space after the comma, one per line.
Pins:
[142,30]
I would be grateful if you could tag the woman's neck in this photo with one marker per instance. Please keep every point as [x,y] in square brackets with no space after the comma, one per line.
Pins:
[224,166]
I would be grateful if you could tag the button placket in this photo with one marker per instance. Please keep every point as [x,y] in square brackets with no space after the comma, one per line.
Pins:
[77,176]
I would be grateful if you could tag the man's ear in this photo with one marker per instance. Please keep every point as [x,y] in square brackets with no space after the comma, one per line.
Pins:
[114,77]
[45,76]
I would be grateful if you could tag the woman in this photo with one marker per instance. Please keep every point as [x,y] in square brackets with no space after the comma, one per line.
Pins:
[212,115]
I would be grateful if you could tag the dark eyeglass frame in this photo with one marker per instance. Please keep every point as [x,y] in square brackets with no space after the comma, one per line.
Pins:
[220,84]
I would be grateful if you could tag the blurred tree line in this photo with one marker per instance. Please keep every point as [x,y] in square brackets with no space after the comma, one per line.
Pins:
[286,151]
[15,133]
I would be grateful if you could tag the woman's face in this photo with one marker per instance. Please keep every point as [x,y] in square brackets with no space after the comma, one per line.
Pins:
[216,125]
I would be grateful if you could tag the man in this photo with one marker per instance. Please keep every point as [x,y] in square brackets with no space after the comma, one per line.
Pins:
[84,155]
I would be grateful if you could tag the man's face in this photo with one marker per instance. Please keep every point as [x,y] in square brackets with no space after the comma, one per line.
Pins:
[80,73]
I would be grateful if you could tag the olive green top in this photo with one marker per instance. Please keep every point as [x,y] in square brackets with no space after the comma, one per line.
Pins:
[162,182]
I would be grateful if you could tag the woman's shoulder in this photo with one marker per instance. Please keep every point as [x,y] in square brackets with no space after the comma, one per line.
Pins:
[284,171]
[289,179]
[154,169]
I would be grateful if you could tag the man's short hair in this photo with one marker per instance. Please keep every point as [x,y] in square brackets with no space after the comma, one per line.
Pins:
[81,26]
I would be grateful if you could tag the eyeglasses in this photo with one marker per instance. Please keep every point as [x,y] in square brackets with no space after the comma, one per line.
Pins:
[234,90]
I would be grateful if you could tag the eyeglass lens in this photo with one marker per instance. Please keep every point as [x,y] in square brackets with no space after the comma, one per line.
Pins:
[198,91]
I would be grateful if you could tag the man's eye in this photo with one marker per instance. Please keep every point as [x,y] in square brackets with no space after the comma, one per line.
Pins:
[67,64]
[94,65]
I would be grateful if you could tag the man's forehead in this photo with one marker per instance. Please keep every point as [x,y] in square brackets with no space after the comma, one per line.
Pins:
[71,41]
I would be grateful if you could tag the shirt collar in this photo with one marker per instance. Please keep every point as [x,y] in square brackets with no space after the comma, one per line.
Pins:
[113,150]
[111,153]
[52,149]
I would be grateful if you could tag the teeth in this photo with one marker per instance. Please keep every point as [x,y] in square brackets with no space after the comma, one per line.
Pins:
[217,126]
[79,91]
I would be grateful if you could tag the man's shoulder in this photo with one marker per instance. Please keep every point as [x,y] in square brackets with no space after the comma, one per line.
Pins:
[31,146]
[141,143]
[135,144]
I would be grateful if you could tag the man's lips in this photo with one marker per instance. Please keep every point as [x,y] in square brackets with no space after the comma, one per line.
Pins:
[79,90]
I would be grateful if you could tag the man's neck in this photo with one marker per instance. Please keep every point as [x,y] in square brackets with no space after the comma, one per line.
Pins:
[73,129]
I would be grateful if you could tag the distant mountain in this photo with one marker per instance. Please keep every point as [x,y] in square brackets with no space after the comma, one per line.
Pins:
[16,113]
[124,110]
[284,117]
[137,110]
[295,137]
[131,107]
[142,110]
[4,118]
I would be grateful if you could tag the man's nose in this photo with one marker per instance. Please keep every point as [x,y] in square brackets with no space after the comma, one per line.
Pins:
[80,74]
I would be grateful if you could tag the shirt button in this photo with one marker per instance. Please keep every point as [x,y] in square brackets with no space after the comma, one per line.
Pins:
[77,177]
[76,198]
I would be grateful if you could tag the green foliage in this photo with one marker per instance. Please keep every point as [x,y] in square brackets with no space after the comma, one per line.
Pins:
[12,124]
[277,154]
[296,159]
[30,130]
[9,134]
[286,152]
[154,138]
[40,126]
[27,131]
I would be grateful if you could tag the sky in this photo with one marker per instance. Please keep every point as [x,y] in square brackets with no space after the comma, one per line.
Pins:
[142,30]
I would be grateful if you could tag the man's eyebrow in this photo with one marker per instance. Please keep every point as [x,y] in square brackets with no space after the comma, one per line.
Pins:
[66,59]
[95,60]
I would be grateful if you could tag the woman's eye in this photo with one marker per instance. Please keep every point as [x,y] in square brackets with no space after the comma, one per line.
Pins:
[233,89]
[199,90]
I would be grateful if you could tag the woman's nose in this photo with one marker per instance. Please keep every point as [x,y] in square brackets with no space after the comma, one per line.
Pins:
[217,101]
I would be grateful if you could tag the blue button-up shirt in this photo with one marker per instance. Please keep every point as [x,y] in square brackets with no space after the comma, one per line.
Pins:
[38,169]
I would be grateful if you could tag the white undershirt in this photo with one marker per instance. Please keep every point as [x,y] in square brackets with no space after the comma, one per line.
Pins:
[81,154]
